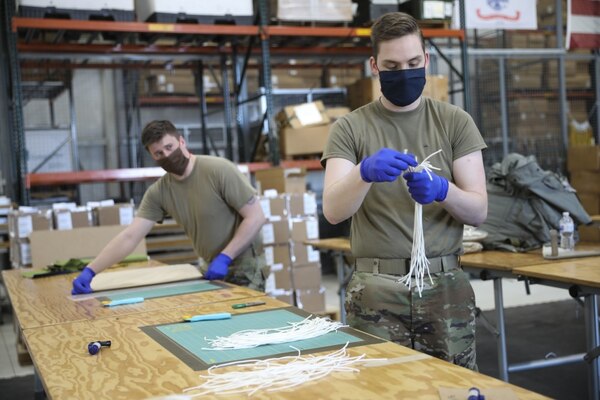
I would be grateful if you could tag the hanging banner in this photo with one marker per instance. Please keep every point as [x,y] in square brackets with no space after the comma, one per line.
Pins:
[583,24]
[501,14]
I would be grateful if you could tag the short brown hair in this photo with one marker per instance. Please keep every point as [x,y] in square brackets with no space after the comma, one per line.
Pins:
[156,130]
[392,26]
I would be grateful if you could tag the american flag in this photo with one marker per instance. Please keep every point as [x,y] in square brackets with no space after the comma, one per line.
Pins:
[583,24]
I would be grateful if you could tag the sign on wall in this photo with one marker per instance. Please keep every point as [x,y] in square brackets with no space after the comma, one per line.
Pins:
[501,14]
[583,24]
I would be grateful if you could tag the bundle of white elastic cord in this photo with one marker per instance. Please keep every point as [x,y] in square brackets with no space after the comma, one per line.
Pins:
[249,338]
[275,373]
[419,264]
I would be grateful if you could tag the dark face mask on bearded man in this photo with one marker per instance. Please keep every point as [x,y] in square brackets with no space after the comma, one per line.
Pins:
[175,163]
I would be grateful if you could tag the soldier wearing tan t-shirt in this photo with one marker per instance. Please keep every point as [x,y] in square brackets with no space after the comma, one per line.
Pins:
[209,197]
[366,161]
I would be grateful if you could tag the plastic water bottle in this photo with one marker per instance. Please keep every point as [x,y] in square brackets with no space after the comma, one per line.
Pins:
[567,232]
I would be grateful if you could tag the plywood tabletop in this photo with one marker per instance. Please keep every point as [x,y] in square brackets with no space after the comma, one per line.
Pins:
[576,271]
[47,301]
[137,367]
[335,244]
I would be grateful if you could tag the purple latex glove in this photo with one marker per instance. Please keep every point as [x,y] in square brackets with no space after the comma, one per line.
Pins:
[218,267]
[81,284]
[425,190]
[385,165]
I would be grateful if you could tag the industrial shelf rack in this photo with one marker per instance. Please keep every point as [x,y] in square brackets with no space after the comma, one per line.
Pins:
[136,45]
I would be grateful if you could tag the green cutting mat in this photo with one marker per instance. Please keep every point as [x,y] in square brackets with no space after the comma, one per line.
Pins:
[187,340]
[164,291]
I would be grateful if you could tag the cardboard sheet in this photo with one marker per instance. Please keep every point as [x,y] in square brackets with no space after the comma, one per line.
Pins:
[135,277]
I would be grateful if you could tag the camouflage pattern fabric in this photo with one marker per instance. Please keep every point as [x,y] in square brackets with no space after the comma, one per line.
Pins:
[441,323]
[249,271]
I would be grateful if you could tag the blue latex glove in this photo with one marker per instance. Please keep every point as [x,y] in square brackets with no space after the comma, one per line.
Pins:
[81,284]
[218,267]
[425,190]
[385,165]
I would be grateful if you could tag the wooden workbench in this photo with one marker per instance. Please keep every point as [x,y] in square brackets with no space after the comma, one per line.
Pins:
[137,367]
[46,301]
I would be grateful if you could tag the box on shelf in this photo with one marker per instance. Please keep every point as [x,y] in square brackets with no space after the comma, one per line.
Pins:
[586,181]
[590,202]
[318,11]
[583,158]
[239,12]
[436,10]
[119,214]
[303,115]
[21,223]
[275,206]
[283,180]
[303,141]
[79,217]
[162,82]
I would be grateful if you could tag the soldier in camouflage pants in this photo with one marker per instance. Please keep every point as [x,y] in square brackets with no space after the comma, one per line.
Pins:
[447,331]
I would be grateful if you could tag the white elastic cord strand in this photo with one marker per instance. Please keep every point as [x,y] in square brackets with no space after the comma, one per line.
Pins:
[276,373]
[249,338]
[419,264]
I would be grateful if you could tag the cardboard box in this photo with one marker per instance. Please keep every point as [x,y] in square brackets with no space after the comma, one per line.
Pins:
[590,202]
[289,180]
[278,254]
[274,206]
[335,113]
[302,141]
[589,233]
[119,214]
[586,181]
[311,300]
[304,254]
[304,204]
[22,223]
[303,115]
[49,246]
[279,279]
[305,229]
[307,277]
[322,10]
[276,231]
[583,158]
[69,219]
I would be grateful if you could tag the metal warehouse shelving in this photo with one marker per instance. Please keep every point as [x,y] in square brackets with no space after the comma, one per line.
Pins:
[73,44]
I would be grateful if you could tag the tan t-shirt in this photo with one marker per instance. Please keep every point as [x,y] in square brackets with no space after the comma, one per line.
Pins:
[206,203]
[383,225]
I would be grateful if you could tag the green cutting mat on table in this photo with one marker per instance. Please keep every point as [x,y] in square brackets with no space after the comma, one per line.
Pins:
[187,340]
[164,291]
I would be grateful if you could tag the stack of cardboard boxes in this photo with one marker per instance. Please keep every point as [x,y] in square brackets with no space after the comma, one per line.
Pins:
[583,164]
[292,219]
[303,129]
[63,216]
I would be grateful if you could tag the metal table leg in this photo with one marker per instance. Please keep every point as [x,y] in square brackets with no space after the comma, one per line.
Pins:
[593,340]
[342,284]
[501,343]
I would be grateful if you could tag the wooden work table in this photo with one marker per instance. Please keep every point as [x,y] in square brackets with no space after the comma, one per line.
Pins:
[137,367]
[47,301]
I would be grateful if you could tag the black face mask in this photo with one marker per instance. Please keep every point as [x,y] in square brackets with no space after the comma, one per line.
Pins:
[402,87]
[175,163]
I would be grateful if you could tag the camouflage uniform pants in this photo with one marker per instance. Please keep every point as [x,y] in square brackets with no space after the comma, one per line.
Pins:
[441,323]
[248,271]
